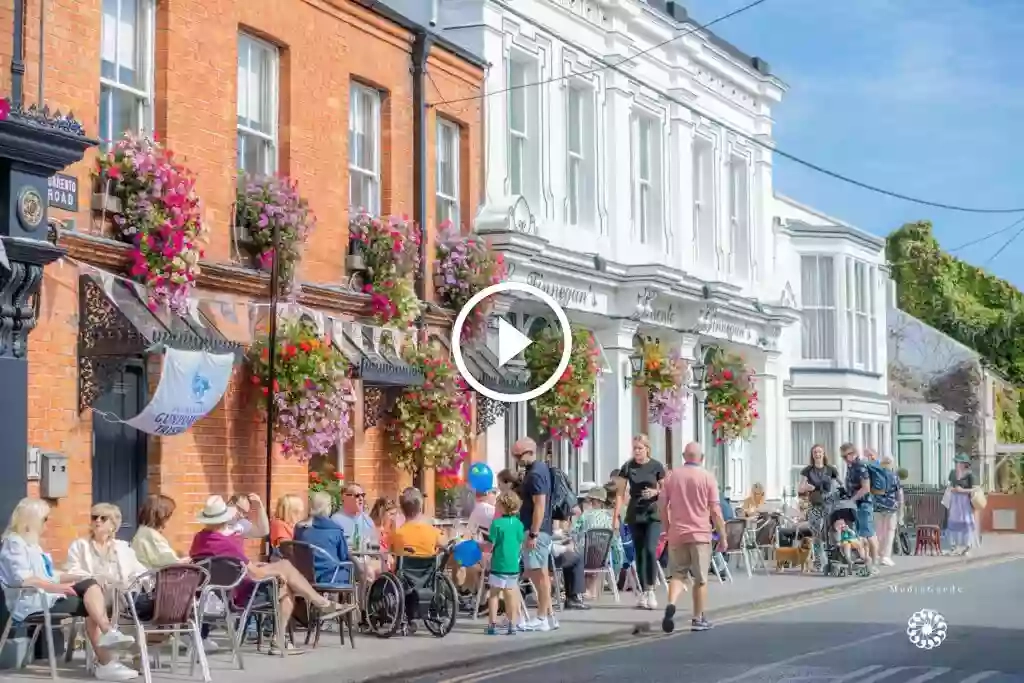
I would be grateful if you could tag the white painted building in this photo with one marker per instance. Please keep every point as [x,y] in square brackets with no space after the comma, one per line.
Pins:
[622,191]
[836,360]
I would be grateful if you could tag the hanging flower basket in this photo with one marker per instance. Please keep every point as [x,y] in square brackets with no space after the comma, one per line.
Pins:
[465,265]
[731,401]
[331,482]
[311,390]
[391,253]
[263,203]
[431,422]
[157,213]
[664,376]
[567,410]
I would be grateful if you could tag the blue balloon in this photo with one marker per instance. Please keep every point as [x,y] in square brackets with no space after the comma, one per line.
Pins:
[467,553]
[481,477]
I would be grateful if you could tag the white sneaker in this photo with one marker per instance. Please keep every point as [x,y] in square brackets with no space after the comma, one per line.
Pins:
[642,601]
[114,671]
[554,622]
[652,601]
[888,562]
[542,626]
[210,646]
[115,640]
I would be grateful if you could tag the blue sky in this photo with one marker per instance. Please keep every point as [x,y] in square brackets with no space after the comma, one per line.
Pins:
[925,97]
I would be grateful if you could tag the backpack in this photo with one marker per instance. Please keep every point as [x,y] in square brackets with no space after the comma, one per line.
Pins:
[883,487]
[563,500]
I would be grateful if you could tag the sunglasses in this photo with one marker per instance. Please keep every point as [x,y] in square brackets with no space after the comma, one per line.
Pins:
[99,518]
[355,495]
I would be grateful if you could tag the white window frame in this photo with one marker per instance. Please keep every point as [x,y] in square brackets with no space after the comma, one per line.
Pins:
[801,453]
[858,286]
[448,205]
[356,172]
[520,139]
[248,43]
[646,204]
[703,198]
[145,46]
[813,344]
[579,163]
[739,218]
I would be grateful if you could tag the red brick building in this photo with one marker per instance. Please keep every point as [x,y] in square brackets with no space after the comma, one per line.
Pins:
[268,86]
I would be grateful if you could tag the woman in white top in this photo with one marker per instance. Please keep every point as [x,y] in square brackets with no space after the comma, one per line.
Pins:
[101,555]
[23,564]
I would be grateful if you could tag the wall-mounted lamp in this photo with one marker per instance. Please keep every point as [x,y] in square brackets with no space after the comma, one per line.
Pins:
[636,367]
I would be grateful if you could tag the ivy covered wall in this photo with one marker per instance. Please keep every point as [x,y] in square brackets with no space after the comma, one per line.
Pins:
[967,303]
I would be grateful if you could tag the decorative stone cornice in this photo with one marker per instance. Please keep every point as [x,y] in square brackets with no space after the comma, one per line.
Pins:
[21,276]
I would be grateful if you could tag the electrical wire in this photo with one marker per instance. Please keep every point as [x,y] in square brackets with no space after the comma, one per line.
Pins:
[605,66]
[1008,242]
[754,140]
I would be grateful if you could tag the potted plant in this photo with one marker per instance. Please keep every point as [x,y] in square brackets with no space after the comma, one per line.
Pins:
[391,252]
[431,421]
[446,495]
[354,261]
[263,205]
[567,410]
[731,400]
[664,376]
[310,388]
[464,266]
[157,212]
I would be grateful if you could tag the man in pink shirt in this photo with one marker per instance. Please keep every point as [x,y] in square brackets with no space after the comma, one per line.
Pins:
[689,504]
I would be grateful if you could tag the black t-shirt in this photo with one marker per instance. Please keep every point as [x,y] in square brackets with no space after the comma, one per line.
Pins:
[821,479]
[641,477]
[964,482]
[536,482]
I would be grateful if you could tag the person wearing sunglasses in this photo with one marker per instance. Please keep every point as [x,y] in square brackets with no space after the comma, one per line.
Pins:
[361,534]
[101,555]
[24,564]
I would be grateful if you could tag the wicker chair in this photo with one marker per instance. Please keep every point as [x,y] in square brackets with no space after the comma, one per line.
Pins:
[175,594]
[302,556]
[226,574]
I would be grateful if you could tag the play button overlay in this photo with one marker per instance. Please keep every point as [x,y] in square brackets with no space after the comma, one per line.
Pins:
[511,342]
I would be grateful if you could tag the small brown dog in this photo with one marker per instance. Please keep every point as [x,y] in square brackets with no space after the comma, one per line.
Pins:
[797,556]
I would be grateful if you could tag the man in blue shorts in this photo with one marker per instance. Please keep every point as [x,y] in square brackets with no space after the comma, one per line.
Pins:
[535,514]
[858,485]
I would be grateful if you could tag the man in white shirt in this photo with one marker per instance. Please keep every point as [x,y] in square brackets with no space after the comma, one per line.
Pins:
[245,505]
[482,515]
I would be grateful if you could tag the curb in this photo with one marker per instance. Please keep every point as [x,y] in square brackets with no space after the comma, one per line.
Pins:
[621,633]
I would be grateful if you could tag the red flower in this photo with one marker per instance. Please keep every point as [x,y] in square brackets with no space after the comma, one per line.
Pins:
[340,476]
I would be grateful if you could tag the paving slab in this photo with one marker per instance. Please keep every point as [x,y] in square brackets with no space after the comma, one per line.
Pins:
[401,658]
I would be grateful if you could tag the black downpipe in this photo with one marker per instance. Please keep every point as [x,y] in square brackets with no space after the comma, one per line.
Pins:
[18,56]
[420,211]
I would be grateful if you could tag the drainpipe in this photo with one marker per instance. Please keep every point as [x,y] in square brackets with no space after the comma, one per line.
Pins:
[420,210]
[18,56]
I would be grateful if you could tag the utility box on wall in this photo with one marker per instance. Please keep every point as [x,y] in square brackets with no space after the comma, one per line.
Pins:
[53,476]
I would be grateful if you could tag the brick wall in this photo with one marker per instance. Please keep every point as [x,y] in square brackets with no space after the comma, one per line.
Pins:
[323,46]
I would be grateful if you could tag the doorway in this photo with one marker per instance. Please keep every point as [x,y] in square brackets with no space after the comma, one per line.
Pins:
[119,460]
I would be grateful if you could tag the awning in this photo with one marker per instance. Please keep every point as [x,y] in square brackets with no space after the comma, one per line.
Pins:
[115,324]
[482,363]
[373,353]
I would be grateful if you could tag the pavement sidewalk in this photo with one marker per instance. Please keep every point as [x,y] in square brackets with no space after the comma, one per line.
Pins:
[401,658]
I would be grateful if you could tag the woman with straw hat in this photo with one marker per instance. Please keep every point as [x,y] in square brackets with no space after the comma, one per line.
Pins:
[961,525]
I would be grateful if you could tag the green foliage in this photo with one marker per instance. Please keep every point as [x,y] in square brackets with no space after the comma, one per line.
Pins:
[967,303]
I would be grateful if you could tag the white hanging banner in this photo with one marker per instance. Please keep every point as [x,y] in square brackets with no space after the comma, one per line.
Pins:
[191,385]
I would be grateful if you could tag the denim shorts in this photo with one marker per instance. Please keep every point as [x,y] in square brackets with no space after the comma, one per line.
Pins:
[865,521]
[499,581]
[538,557]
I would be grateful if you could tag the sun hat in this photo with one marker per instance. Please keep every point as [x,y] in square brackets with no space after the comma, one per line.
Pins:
[216,511]
[599,494]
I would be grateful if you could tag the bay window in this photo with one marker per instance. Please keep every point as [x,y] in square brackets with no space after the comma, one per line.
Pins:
[806,434]
[818,300]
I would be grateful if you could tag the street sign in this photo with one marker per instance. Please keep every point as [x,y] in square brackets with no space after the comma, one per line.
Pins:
[62,192]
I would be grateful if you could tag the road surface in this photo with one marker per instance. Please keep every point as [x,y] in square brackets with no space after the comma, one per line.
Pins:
[858,638]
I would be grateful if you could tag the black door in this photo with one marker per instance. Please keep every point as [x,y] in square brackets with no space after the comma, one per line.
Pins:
[119,451]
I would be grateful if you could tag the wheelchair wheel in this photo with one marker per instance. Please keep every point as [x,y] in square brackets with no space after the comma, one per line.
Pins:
[440,616]
[385,605]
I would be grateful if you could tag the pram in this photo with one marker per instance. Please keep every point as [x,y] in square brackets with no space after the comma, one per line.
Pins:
[835,562]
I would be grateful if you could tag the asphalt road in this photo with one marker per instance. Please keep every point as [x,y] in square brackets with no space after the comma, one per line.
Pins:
[860,638]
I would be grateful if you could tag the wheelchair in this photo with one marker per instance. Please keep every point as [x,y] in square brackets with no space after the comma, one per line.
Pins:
[418,589]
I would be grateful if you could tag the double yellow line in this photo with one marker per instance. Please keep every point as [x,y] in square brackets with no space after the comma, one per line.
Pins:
[855,589]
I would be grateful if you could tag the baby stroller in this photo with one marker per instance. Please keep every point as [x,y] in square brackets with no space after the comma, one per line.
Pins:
[835,562]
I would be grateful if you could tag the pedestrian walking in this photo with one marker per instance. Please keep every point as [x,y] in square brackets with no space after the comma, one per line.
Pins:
[689,506]
[888,511]
[643,476]
[818,481]
[962,527]
[858,485]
